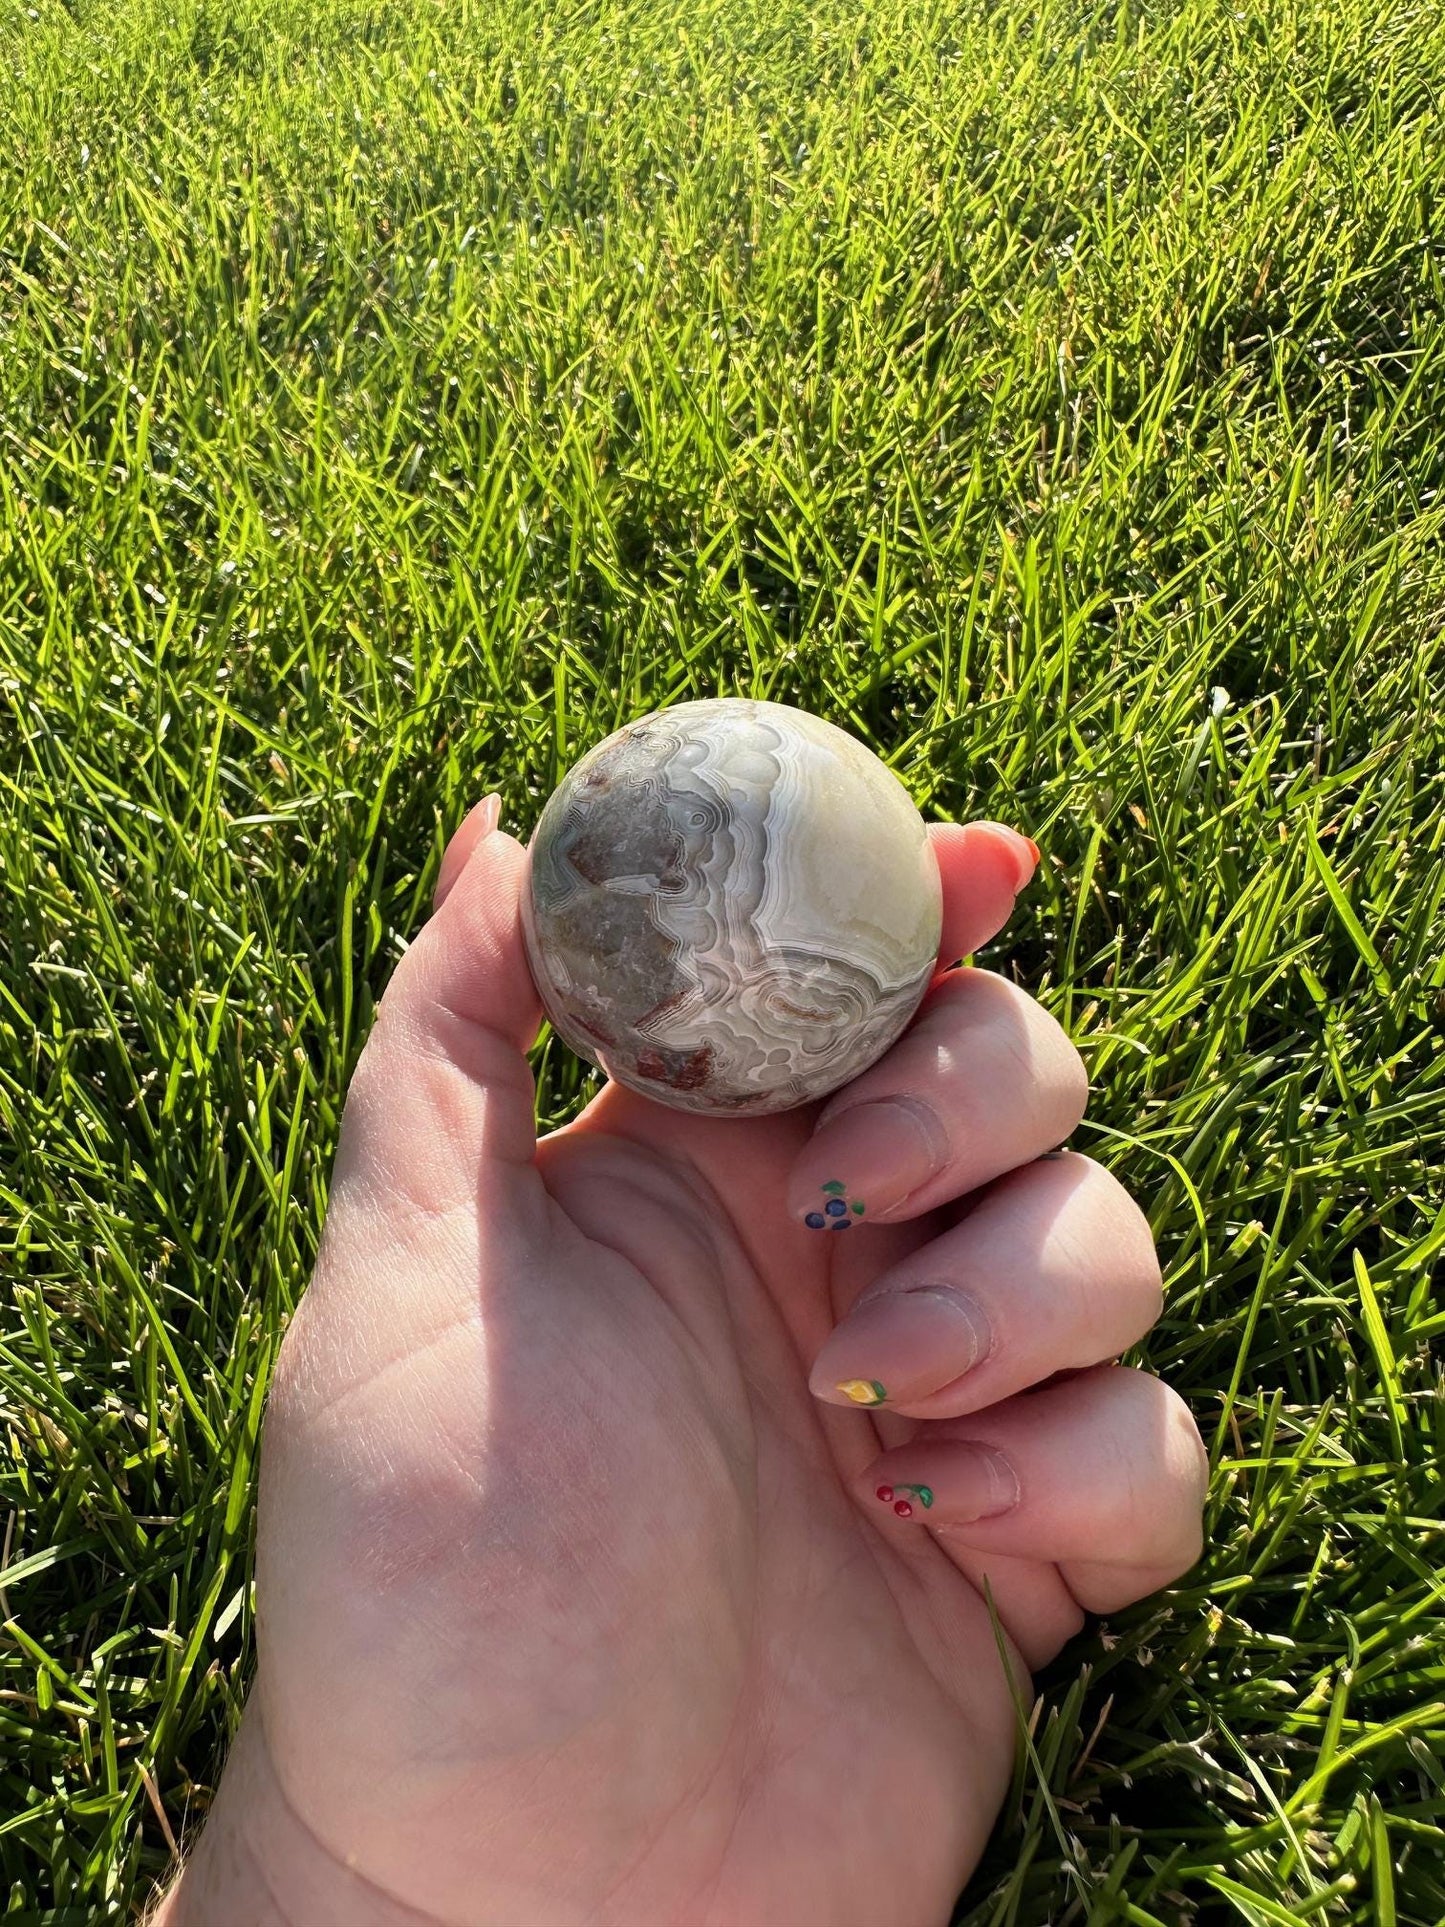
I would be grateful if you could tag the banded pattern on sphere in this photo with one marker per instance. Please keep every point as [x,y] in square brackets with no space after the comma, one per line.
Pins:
[733,907]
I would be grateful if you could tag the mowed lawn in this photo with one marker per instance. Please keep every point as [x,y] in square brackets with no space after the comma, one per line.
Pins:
[396,396]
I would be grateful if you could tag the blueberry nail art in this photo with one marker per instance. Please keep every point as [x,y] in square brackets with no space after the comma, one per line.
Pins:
[837,1212]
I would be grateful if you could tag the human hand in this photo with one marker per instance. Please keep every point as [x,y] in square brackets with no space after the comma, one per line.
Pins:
[588,1590]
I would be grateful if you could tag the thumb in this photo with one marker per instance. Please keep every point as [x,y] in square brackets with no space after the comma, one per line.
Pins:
[441,1110]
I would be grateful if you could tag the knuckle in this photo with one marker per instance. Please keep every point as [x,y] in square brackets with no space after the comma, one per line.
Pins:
[1192,1455]
[1185,1545]
[1192,1550]
[1146,1501]
[1061,1074]
[1126,1228]
[1135,1257]
[978,1018]
[1074,1083]
[1111,1251]
[1164,1467]
[1184,1469]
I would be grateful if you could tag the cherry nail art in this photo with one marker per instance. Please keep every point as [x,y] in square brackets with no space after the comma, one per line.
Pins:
[892,1495]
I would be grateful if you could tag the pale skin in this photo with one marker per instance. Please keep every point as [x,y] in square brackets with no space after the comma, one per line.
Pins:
[577,1599]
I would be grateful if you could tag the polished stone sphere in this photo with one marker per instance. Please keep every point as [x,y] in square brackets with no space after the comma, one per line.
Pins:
[733,907]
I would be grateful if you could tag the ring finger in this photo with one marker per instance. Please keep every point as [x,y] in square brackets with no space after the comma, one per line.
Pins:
[1053,1269]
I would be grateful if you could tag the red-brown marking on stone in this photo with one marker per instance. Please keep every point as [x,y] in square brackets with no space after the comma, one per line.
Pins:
[663,1005]
[594,1030]
[687,1073]
[598,850]
[696,1069]
[810,1014]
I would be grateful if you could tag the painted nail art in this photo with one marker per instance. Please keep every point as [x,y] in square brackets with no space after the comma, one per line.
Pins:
[837,1212]
[893,1495]
[862,1391]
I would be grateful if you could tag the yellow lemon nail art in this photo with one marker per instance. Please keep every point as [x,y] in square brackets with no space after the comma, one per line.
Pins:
[862,1391]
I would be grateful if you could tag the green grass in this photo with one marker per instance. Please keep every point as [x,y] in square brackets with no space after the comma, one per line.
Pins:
[394,398]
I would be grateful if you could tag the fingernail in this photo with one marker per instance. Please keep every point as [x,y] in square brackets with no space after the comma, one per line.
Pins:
[900,1346]
[474,827]
[1025,850]
[965,1482]
[865,1161]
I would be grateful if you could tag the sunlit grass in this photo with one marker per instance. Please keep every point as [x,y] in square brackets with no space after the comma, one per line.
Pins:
[394,398]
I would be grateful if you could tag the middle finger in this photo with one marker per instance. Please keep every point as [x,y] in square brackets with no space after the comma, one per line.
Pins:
[1054,1269]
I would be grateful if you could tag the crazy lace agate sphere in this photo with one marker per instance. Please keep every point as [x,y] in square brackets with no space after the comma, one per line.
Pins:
[733,908]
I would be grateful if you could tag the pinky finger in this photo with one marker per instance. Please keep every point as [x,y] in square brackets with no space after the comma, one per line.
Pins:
[1102,1475]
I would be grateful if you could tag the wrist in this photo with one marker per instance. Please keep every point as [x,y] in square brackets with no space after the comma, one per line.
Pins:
[257,1863]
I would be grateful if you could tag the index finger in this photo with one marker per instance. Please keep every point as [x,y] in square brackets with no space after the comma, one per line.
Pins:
[982,1081]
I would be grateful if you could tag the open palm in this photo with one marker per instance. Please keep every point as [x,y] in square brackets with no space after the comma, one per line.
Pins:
[588,1591]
